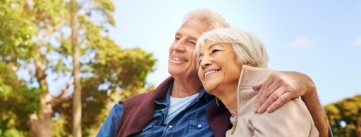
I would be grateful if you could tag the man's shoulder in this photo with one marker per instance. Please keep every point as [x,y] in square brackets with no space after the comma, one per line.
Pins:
[154,94]
[137,97]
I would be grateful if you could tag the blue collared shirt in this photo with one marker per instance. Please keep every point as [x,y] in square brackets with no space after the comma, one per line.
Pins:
[191,122]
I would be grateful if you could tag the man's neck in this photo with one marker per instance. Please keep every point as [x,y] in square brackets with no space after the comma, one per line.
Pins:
[184,88]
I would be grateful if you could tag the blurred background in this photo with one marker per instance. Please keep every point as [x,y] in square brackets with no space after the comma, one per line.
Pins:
[59,58]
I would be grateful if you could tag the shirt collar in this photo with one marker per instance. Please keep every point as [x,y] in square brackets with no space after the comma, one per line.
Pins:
[202,94]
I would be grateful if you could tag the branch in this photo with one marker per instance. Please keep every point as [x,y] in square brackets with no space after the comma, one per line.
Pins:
[62,95]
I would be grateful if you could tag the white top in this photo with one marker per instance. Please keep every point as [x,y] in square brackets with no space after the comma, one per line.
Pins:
[177,105]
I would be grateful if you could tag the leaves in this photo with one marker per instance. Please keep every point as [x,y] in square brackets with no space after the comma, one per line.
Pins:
[35,50]
[345,116]
[17,102]
[16,33]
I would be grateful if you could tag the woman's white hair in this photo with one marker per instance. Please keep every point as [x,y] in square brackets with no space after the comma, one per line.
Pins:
[248,49]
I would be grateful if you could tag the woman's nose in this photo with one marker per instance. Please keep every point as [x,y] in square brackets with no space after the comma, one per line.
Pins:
[205,62]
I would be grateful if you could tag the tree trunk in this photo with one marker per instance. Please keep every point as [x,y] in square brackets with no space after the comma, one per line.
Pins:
[77,86]
[41,126]
[40,123]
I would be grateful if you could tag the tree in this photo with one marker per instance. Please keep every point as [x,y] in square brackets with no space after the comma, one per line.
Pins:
[13,93]
[36,43]
[76,72]
[345,117]
[15,49]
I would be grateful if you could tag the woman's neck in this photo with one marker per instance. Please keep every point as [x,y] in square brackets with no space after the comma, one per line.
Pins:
[228,96]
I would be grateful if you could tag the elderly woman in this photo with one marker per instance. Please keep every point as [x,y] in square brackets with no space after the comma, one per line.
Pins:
[230,61]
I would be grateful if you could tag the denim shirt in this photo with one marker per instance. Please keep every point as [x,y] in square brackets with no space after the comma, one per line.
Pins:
[191,122]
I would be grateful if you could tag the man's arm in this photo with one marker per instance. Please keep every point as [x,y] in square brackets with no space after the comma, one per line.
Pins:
[281,87]
[109,126]
[318,114]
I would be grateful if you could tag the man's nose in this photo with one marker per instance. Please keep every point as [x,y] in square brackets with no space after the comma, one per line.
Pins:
[179,45]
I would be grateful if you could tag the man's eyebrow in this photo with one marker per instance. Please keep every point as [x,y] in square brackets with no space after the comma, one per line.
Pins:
[193,37]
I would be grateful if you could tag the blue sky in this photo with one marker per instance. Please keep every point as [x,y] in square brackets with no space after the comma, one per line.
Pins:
[320,39]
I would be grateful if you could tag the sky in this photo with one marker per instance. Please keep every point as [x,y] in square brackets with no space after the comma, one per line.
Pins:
[319,38]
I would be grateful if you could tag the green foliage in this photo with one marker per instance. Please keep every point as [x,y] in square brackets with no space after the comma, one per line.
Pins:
[8,79]
[107,78]
[11,133]
[345,117]
[124,68]
[48,14]
[38,31]
[60,124]
[17,102]
[16,32]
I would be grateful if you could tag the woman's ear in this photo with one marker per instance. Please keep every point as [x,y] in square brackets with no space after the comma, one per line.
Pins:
[250,64]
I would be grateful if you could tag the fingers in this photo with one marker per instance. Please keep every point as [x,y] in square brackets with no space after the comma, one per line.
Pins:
[275,101]
[264,93]
[276,91]
[268,98]
[283,99]
[257,86]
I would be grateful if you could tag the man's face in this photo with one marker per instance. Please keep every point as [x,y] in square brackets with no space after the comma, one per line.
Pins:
[181,60]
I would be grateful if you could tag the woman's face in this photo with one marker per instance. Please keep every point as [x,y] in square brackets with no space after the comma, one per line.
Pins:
[219,69]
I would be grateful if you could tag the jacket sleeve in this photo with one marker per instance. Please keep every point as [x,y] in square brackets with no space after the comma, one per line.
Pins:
[291,120]
[109,126]
[330,134]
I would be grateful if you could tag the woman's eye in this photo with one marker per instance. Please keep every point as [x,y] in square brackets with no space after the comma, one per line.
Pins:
[199,62]
[215,50]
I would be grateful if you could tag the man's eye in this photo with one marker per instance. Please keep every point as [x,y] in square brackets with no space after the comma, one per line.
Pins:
[177,38]
[199,62]
[192,42]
